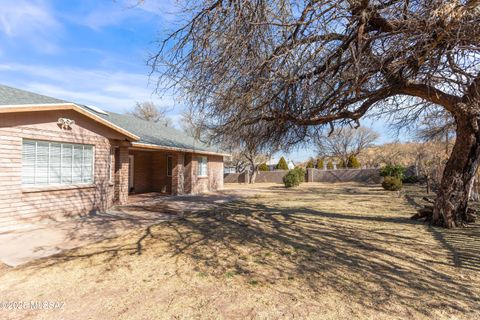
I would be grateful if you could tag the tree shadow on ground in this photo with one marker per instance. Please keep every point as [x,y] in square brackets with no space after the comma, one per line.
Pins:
[374,260]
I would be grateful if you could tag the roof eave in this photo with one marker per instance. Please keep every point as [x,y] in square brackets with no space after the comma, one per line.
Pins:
[141,145]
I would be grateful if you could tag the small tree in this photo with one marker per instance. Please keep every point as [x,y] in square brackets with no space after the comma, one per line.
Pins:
[330,165]
[263,167]
[319,163]
[344,143]
[353,162]
[310,164]
[148,111]
[282,164]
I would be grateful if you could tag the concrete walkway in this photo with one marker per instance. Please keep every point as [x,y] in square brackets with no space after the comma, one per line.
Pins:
[52,237]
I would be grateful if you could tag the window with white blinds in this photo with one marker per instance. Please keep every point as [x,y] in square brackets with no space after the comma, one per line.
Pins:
[202,166]
[56,163]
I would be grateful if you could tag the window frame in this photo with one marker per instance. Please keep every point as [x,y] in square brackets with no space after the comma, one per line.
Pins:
[35,184]
[111,164]
[200,162]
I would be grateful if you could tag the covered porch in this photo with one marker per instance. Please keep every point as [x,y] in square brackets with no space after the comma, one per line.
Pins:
[139,171]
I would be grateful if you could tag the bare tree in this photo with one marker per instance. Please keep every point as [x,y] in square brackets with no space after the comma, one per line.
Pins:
[437,125]
[148,111]
[283,69]
[343,143]
[245,154]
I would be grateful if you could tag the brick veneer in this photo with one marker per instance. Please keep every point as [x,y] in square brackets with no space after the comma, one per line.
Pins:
[121,174]
[21,204]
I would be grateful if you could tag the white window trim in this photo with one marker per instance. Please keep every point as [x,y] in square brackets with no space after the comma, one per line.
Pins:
[199,161]
[35,185]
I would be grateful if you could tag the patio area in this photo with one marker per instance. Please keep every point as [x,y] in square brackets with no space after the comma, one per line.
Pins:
[49,237]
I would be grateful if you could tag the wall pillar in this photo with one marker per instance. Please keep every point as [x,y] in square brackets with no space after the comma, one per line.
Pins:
[121,175]
[310,174]
[178,175]
[188,174]
[247,176]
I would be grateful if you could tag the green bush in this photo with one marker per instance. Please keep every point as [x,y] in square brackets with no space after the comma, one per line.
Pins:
[282,164]
[392,183]
[263,167]
[341,164]
[330,165]
[353,162]
[300,173]
[319,163]
[396,171]
[294,177]
[411,179]
[310,164]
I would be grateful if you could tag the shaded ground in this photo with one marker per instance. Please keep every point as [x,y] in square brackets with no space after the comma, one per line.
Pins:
[318,251]
[52,237]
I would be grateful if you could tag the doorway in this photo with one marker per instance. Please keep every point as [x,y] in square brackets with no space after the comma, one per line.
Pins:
[131,175]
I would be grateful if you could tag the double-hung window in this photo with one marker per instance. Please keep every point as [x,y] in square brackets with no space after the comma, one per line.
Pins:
[46,163]
[202,167]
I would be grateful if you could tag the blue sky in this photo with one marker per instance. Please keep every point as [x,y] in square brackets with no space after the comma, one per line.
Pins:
[91,51]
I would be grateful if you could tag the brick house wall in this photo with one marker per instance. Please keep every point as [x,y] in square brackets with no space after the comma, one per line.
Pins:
[214,179]
[23,204]
[150,173]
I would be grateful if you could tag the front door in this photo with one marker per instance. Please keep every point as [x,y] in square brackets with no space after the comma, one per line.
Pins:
[130,173]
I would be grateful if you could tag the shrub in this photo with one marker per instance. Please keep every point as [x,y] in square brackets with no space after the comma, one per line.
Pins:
[330,165]
[411,179]
[319,163]
[392,183]
[294,177]
[396,171]
[341,164]
[282,164]
[263,167]
[310,164]
[353,162]
[300,173]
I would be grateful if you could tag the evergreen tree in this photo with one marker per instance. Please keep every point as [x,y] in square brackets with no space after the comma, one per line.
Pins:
[319,163]
[330,165]
[282,164]
[310,164]
[353,162]
[263,167]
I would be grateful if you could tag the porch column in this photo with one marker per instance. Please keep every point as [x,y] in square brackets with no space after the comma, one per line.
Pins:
[188,174]
[121,174]
[178,175]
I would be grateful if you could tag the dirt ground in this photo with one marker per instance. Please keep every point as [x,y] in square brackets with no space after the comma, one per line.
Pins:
[336,251]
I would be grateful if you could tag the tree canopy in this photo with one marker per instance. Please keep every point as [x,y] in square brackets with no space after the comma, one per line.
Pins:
[277,71]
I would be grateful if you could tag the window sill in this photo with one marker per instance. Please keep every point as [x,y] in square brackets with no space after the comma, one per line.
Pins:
[202,177]
[45,188]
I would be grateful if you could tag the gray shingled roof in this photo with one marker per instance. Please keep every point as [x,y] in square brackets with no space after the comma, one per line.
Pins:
[14,96]
[155,133]
[149,132]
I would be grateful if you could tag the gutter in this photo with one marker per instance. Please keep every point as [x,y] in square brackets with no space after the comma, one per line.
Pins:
[140,145]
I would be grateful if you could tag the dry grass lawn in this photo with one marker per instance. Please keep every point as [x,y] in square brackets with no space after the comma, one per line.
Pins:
[341,251]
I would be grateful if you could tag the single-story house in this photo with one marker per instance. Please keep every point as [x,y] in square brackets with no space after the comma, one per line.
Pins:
[59,158]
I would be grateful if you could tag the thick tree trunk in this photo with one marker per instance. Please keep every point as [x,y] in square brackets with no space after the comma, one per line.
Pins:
[452,199]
